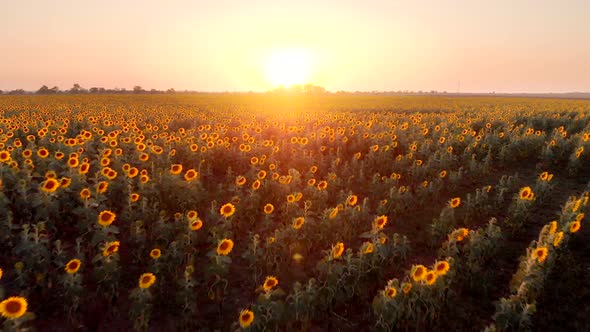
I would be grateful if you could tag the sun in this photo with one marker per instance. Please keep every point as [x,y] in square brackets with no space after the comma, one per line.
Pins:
[287,67]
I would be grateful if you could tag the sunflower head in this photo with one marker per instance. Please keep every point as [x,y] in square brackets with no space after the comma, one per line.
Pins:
[298,222]
[540,254]
[418,272]
[575,226]
[196,224]
[85,193]
[526,194]
[557,239]
[73,266]
[111,248]
[175,169]
[224,247]
[246,318]
[352,200]
[368,248]
[268,208]
[227,210]
[106,217]
[13,307]
[337,250]
[406,287]
[390,292]
[190,175]
[455,202]
[270,283]
[155,253]
[380,221]
[50,185]
[441,268]
[146,280]
[430,277]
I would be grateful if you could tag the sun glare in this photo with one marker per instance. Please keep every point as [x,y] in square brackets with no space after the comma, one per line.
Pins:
[288,66]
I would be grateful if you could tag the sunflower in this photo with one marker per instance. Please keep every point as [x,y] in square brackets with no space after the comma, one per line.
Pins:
[227,210]
[246,318]
[102,187]
[526,193]
[65,182]
[85,193]
[146,280]
[430,277]
[111,248]
[5,156]
[13,307]
[351,200]
[442,174]
[333,213]
[580,217]
[73,162]
[298,222]
[390,292]
[441,268]
[106,217]
[368,248]
[50,185]
[268,208]
[557,239]
[256,184]
[144,156]
[553,227]
[190,175]
[270,283]
[418,272]
[406,287]
[50,175]
[111,174]
[298,197]
[261,174]
[195,225]
[540,254]
[380,221]
[175,169]
[575,226]
[144,179]
[192,215]
[224,247]
[155,253]
[455,202]
[134,197]
[84,168]
[337,250]
[43,153]
[240,180]
[544,176]
[461,234]
[322,185]
[73,266]
[132,172]
[290,198]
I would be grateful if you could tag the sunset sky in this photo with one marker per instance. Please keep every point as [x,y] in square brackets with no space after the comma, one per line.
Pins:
[222,45]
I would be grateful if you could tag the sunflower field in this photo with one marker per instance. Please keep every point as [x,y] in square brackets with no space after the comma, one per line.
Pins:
[225,212]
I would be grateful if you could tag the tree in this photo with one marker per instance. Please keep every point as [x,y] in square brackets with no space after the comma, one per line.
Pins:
[171,91]
[43,90]
[138,89]
[77,89]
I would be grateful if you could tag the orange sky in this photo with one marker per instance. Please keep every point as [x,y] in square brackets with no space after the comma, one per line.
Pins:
[502,46]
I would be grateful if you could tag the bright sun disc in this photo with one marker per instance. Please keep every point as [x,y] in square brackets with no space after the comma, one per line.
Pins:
[288,66]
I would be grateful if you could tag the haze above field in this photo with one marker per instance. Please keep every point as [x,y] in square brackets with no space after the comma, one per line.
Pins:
[475,46]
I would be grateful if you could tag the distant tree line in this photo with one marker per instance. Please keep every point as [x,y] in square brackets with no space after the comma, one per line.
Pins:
[77,89]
